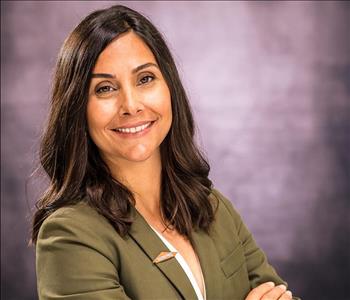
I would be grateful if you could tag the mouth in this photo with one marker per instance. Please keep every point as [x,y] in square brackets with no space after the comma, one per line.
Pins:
[134,131]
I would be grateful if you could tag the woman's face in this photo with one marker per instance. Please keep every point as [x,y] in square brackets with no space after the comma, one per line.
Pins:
[129,105]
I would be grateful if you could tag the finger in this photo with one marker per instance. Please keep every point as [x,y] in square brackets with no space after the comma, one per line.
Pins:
[259,291]
[286,296]
[275,293]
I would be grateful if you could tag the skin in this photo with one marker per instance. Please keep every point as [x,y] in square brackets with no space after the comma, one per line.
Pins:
[123,98]
[268,291]
[126,99]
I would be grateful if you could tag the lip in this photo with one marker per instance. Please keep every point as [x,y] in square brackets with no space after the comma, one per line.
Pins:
[130,125]
[135,134]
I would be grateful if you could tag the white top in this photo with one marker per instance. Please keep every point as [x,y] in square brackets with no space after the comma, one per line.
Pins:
[184,266]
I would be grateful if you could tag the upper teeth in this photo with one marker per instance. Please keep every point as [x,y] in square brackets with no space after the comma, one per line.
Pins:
[134,129]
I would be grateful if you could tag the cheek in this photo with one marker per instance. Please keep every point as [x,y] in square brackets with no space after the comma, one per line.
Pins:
[160,101]
[168,112]
[166,106]
[99,114]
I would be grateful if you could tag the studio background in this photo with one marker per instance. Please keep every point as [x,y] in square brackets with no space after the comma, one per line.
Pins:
[269,84]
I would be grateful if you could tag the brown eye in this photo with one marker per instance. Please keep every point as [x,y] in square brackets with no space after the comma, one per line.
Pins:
[146,79]
[104,89]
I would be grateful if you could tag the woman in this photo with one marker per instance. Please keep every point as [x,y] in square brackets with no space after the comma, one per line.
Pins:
[130,212]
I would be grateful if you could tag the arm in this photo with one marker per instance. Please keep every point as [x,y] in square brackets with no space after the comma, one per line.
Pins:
[259,270]
[74,261]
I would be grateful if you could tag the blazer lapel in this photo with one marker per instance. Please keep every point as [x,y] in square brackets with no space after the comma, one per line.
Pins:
[210,263]
[150,243]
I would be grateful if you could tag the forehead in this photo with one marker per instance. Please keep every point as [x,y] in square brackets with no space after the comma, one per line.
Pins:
[124,53]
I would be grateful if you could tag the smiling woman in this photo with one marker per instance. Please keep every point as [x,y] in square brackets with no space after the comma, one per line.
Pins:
[130,211]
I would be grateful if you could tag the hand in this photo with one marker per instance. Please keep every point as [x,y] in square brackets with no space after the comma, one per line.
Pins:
[268,291]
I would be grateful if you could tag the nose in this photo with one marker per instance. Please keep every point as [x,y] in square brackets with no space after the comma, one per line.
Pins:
[131,102]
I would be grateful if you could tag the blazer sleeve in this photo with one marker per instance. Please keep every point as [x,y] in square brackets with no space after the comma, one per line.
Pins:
[259,270]
[74,259]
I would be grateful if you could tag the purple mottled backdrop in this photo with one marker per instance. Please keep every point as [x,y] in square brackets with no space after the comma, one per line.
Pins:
[269,83]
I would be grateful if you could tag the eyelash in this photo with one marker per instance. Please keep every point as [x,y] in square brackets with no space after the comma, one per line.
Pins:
[147,76]
[102,89]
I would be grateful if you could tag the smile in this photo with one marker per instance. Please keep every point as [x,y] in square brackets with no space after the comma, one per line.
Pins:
[133,130]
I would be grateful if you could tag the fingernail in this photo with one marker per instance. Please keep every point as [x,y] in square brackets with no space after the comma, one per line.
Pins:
[270,283]
[289,293]
[282,286]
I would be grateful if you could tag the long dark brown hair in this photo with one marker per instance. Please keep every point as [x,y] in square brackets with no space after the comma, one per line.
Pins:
[72,161]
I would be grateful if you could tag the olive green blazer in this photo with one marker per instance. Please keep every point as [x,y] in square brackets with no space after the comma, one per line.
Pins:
[79,255]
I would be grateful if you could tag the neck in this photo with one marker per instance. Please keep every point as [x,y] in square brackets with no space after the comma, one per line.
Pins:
[143,179]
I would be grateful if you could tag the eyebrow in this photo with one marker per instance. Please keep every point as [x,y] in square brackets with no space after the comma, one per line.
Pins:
[107,75]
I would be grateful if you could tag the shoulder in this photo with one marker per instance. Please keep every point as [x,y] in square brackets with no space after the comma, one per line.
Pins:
[77,255]
[228,223]
[75,216]
[78,223]
[225,208]
[80,210]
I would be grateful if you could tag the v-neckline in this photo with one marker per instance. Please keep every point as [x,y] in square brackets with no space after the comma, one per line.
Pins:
[185,266]
[204,246]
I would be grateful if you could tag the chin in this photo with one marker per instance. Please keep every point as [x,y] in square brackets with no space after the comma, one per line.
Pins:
[142,152]
[139,157]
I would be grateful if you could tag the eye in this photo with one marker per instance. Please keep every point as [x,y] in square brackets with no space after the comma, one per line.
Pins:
[146,79]
[104,89]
